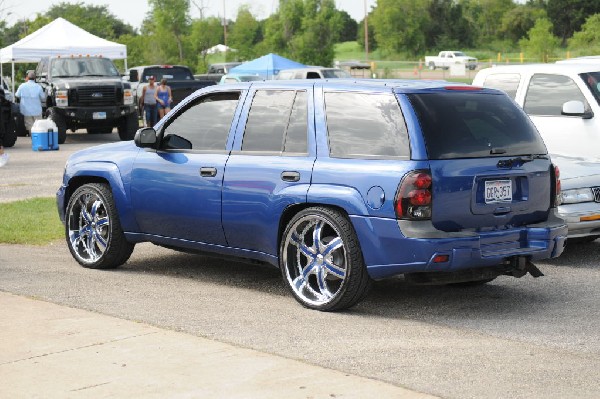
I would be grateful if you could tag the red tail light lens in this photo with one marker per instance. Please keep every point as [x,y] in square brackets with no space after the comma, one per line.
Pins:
[413,199]
[557,186]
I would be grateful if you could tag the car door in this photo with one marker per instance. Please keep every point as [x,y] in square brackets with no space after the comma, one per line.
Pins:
[566,135]
[176,190]
[270,167]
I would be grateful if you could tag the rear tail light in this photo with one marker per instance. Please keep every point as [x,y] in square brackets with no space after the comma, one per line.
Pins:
[556,187]
[413,199]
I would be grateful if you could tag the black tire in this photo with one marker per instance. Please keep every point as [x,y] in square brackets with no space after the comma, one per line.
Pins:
[128,126]
[329,275]
[20,125]
[431,66]
[10,134]
[61,125]
[93,230]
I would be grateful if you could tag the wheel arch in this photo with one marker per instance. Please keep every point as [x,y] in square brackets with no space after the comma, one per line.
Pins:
[109,175]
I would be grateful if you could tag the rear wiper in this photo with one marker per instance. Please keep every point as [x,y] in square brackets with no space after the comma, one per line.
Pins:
[518,161]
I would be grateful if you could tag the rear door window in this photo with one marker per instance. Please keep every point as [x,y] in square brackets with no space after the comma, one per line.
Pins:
[507,82]
[471,125]
[365,125]
[547,93]
[277,122]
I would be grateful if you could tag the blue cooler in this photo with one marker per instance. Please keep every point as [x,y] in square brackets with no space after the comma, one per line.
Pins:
[44,135]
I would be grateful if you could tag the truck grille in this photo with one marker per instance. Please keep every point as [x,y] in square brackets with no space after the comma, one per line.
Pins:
[100,95]
[596,192]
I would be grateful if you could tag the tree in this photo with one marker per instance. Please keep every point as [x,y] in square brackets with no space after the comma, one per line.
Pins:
[449,27]
[360,34]
[568,16]
[205,33]
[349,27]
[541,42]
[170,24]
[518,21]
[244,34]
[97,20]
[588,37]
[400,26]
[314,44]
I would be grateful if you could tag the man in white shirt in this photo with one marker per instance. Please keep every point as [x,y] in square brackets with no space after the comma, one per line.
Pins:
[30,96]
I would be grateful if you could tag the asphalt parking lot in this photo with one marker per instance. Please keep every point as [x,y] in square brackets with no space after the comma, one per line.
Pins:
[521,338]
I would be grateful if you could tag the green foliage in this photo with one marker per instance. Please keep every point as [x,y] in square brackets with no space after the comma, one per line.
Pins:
[519,20]
[205,33]
[244,34]
[541,43]
[589,36]
[97,20]
[567,16]
[32,222]
[400,26]
[169,25]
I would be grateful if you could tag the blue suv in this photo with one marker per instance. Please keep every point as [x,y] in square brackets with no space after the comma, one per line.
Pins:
[337,183]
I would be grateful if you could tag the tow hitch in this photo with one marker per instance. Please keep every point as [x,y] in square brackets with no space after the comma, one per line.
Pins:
[520,266]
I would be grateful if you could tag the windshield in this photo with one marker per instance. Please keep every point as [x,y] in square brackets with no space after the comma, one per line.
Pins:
[472,125]
[73,67]
[459,54]
[335,73]
[170,73]
[592,81]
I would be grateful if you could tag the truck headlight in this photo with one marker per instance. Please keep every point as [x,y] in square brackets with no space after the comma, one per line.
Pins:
[127,97]
[62,98]
[576,196]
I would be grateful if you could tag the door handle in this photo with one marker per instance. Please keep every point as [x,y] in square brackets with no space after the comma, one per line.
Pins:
[208,172]
[290,176]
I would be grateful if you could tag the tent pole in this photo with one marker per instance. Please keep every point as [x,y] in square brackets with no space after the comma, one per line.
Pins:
[13,78]
[125,64]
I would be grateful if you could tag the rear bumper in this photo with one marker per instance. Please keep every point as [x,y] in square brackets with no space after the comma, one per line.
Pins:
[391,248]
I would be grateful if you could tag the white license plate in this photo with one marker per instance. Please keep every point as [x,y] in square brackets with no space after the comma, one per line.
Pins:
[498,191]
[99,115]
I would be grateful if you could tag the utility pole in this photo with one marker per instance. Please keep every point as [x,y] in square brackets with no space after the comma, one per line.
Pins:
[366,33]
[224,27]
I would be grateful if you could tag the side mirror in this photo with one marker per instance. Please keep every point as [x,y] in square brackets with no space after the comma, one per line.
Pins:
[576,108]
[133,75]
[145,137]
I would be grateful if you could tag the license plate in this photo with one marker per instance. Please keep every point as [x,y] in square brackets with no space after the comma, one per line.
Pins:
[498,191]
[99,115]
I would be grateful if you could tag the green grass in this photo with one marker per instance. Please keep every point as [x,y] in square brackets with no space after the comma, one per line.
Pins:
[32,222]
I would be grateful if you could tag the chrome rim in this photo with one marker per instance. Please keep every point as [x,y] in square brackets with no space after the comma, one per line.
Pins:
[89,227]
[315,260]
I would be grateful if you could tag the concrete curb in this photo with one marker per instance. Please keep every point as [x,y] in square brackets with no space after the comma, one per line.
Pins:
[47,350]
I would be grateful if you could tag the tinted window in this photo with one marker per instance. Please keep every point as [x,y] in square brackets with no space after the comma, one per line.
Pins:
[364,125]
[508,82]
[206,123]
[469,125]
[277,122]
[546,94]
[592,81]
[175,73]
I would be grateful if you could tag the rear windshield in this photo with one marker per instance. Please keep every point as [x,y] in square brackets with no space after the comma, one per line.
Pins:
[174,73]
[472,125]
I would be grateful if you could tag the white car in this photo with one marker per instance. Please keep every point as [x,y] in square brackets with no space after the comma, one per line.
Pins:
[562,100]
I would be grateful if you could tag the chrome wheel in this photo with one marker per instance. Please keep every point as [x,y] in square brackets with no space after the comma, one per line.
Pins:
[93,230]
[88,227]
[321,260]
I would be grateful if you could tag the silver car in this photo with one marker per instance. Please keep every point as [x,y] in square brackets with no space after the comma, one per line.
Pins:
[580,197]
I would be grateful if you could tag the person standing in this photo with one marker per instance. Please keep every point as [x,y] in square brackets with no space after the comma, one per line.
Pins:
[148,102]
[163,98]
[3,155]
[30,96]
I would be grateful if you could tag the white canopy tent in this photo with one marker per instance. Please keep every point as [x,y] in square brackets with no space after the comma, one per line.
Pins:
[60,37]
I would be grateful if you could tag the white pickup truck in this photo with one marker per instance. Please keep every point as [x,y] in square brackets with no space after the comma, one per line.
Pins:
[446,58]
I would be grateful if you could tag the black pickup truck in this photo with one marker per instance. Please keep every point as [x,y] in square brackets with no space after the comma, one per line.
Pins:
[179,78]
[88,93]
